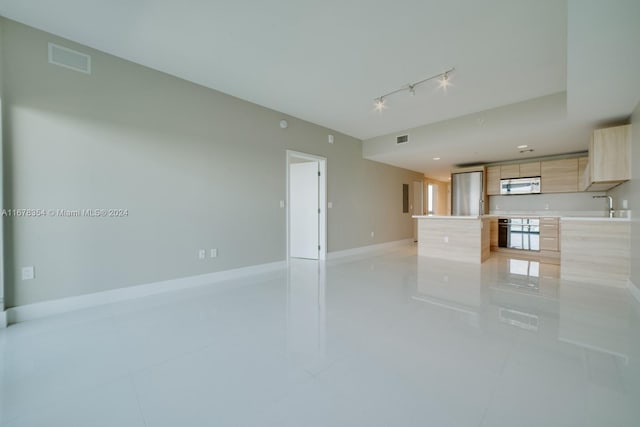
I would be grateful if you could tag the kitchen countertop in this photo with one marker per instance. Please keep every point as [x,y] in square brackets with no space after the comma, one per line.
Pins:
[592,218]
[446,217]
[574,216]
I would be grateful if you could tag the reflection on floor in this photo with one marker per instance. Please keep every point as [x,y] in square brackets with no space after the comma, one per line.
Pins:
[389,340]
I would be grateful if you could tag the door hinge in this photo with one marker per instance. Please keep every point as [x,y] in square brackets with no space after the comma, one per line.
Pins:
[318,247]
[318,210]
[318,173]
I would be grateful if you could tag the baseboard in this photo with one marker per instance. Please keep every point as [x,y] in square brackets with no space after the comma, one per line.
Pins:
[635,291]
[364,250]
[63,305]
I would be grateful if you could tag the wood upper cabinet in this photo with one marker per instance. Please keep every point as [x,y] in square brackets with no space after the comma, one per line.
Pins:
[493,180]
[559,176]
[509,171]
[610,154]
[582,172]
[527,170]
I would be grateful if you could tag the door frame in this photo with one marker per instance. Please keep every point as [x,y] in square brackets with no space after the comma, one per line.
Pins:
[322,198]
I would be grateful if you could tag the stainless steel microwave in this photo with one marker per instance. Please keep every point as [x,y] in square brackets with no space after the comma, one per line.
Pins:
[520,186]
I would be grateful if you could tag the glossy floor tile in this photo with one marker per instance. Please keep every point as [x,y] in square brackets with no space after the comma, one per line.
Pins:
[385,340]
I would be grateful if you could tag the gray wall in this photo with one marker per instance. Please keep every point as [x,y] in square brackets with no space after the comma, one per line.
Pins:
[631,191]
[194,167]
[1,169]
[565,202]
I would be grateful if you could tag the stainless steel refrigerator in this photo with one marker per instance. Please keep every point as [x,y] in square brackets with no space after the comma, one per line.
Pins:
[467,193]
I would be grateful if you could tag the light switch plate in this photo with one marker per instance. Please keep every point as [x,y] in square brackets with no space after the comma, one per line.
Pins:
[28,273]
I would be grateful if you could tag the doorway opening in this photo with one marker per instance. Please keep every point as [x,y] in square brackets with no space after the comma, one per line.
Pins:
[306,205]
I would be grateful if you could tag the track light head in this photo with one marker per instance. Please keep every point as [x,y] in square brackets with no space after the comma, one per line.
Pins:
[444,80]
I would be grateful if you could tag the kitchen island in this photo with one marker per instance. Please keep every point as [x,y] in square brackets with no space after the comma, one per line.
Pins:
[456,238]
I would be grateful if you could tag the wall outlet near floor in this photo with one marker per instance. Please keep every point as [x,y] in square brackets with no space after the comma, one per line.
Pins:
[213,253]
[202,254]
[546,206]
[282,203]
[330,205]
[28,273]
[625,204]
[446,239]
[372,234]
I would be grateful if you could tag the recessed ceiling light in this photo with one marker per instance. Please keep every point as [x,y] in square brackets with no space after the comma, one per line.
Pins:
[523,146]
[436,158]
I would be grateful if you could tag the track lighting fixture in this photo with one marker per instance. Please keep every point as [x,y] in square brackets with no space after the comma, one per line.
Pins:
[379,102]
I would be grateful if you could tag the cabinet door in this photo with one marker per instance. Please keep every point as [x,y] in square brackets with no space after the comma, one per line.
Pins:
[494,232]
[559,176]
[527,170]
[510,171]
[493,180]
[609,154]
[583,182]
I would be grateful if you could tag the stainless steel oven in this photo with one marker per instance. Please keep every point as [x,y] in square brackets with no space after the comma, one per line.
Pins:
[519,233]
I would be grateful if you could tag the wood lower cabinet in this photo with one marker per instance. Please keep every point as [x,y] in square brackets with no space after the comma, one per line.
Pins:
[493,226]
[549,234]
[493,180]
[559,176]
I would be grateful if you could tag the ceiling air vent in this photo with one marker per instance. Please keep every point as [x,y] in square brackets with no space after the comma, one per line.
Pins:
[69,58]
[402,139]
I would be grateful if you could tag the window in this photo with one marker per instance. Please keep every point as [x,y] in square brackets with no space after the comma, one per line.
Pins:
[432,199]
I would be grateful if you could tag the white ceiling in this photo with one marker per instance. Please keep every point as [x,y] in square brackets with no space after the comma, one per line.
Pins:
[325,61]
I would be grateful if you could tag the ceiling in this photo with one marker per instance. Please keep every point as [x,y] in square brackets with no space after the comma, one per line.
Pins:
[325,62]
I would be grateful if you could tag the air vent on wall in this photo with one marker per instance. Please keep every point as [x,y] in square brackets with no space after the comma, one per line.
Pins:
[69,58]
[402,139]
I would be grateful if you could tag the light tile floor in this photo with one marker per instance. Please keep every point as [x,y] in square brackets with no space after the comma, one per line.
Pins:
[387,340]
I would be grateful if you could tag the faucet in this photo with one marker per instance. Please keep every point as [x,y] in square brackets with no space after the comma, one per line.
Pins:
[611,211]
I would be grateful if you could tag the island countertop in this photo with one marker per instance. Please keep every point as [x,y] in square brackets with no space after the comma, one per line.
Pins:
[445,217]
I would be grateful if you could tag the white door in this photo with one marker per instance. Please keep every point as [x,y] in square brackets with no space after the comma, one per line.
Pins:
[303,210]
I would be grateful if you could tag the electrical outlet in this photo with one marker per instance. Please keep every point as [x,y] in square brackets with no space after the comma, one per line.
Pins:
[330,205]
[625,204]
[202,254]
[446,239]
[282,203]
[28,273]
[372,234]
[546,206]
[213,253]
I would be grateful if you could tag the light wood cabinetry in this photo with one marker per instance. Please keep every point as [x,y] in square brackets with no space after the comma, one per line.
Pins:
[559,176]
[493,180]
[583,163]
[456,239]
[609,158]
[509,171]
[595,252]
[493,227]
[549,234]
[527,170]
